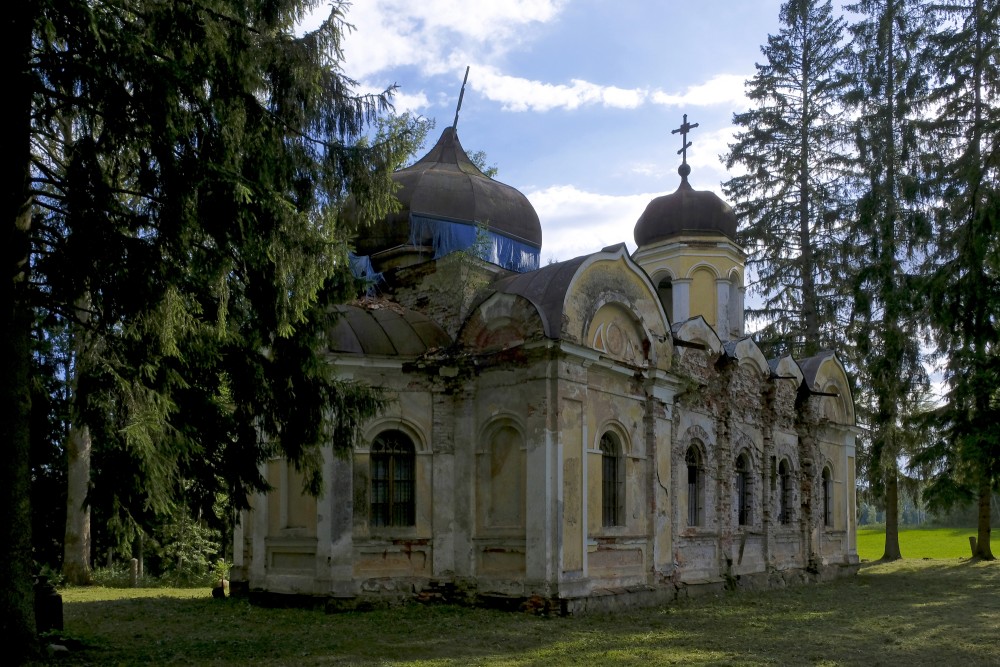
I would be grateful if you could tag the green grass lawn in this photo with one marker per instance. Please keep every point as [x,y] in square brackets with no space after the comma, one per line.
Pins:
[912,612]
[921,543]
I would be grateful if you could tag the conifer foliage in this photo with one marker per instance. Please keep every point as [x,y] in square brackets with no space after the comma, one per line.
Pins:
[964,274]
[889,233]
[177,167]
[790,199]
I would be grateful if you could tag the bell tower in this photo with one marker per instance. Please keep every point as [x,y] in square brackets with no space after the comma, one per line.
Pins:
[687,244]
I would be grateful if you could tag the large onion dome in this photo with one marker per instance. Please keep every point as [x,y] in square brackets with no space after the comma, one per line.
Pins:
[685,211]
[444,197]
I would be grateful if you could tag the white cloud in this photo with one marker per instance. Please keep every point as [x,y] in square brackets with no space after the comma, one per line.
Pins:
[518,94]
[438,36]
[707,147]
[720,89]
[441,37]
[405,102]
[646,169]
[576,222]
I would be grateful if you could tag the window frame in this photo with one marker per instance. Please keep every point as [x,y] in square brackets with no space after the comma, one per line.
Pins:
[743,490]
[827,490]
[612,481]
[693,461]
[784,492]
[392,485]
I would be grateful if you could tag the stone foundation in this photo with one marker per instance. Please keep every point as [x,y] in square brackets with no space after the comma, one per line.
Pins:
[603,600]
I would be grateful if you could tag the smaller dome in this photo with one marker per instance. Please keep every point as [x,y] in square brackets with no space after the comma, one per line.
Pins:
[686,211]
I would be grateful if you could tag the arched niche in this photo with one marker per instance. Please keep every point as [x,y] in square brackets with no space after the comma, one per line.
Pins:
[501,479]
[704,293]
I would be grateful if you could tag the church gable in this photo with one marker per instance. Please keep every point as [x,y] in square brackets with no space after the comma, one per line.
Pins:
[833,400]
[696,334]
[501,322]
[611,306]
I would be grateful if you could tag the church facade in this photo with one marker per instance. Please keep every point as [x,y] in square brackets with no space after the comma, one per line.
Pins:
[595,433]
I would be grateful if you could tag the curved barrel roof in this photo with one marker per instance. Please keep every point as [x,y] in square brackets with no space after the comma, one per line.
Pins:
[384,331]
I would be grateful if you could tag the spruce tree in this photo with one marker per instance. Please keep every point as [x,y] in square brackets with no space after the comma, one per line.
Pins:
[790,200]
[890,232]
[194,207]
[964,282]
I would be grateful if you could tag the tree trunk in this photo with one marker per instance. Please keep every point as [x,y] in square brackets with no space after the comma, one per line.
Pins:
[17,614]
[983,549]
[892,515]
[76,546]
[76,549]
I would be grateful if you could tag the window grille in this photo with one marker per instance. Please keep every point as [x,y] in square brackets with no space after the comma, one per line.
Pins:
[827,498]
[612,491]
[693,460]
[784,493]
[393,480]
[743,491]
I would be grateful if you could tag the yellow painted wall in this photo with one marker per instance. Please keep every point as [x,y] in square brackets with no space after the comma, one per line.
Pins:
[704,295]
[301,506]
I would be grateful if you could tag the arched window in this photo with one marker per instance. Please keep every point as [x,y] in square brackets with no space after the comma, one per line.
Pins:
[393,480]
[784,493]
[694,486]
[666,292]
[612,482]
[744,492]
[827,497]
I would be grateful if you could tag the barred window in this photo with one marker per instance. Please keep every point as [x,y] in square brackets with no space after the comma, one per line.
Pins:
[612,483]
[694,486]
[743,490]
[392,475]
[827,497]
[784,493]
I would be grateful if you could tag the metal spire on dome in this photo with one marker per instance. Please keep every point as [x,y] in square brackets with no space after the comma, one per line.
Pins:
[685,127]
[461,95]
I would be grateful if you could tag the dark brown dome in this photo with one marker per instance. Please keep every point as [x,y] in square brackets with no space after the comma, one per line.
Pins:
[686,211]
[446,185]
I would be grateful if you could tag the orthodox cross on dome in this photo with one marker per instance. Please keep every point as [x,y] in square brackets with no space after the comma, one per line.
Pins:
[685,127]
[461,95]
[685,144]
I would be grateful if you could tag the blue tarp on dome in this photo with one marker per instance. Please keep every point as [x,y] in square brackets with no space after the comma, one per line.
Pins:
[448,236]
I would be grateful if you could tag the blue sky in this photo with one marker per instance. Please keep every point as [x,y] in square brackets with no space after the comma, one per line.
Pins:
[573,100]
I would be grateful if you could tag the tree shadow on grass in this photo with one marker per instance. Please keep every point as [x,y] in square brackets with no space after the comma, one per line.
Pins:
[910,612]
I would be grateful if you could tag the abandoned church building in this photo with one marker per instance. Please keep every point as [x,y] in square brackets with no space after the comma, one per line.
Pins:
[595,433]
